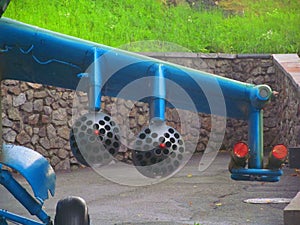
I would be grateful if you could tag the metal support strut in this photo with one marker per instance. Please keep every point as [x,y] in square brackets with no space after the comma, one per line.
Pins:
[29,202]
[255,136]
[158,103]
[95,83]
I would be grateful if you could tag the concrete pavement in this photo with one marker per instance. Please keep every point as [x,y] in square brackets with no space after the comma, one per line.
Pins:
[208,198]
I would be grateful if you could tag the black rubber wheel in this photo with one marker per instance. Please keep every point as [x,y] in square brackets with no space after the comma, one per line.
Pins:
[71,211]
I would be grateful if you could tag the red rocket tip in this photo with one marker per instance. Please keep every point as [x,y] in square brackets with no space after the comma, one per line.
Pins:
[162,145]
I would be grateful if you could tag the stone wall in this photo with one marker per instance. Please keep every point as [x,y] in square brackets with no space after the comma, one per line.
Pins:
[40,117]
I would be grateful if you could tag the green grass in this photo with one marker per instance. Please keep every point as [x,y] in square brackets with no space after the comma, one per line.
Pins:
[261,26]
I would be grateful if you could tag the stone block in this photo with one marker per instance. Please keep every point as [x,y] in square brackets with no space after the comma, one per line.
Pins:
[38,105]
[13,114]
[23,138]
[9,135]
[19,100]
[27,107]
[291,212]
[40,94]
[33,119]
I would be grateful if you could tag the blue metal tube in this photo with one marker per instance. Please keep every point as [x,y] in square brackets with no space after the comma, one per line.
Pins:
[158,104]
[30,203]
[255,138]
[95,79]
[242,177]
[16,218]
[258,172]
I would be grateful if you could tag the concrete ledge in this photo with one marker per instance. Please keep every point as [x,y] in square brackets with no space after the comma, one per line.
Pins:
[254,56]
[290,63]
[291,212]
[206,55]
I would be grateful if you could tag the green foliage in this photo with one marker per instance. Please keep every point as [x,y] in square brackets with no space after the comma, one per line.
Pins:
[261,26]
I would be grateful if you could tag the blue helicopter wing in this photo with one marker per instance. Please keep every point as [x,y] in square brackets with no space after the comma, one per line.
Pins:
[29,53]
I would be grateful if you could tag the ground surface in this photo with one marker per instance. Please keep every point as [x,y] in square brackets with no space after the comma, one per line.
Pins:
[209,198]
